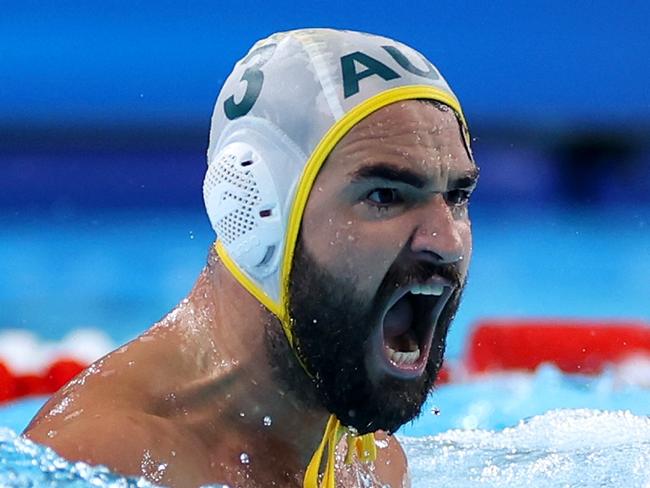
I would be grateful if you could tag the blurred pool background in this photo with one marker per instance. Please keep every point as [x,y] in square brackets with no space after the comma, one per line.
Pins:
[104,117]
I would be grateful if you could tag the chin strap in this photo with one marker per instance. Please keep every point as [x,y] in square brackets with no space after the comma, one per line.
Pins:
[361,445]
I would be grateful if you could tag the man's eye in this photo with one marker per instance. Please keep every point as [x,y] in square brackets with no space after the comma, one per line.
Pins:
[384,196]
[458,197]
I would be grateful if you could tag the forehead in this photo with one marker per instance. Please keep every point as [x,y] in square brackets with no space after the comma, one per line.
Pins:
[408,133]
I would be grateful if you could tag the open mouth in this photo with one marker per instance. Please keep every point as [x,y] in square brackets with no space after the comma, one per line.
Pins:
[403,342]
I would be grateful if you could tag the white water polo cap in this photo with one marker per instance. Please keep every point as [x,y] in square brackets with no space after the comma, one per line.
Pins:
[278,116]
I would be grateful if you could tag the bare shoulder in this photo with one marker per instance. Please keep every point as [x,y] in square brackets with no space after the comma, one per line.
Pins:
[391,466]
[129,443]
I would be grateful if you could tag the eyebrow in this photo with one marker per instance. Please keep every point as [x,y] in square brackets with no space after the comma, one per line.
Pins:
[385,171]
[389,172]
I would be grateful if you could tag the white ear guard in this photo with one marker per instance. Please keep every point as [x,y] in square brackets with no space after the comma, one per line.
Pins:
[244,208]
[247,202]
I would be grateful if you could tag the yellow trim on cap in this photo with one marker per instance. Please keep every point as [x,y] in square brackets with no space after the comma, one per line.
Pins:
[244,279]
[258,293]
[325,147]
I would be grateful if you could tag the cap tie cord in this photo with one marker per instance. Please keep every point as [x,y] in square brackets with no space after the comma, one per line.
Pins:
[361,445]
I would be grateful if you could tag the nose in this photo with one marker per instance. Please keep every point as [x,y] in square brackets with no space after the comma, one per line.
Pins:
[436,237]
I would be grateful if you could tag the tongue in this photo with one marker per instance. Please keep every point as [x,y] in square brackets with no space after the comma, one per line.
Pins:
[398,319]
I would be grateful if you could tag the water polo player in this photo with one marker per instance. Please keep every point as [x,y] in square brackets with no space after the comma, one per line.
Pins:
[339,174]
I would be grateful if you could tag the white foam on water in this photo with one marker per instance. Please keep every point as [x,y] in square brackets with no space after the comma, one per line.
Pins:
[24,352]
[25,464]
[562,448]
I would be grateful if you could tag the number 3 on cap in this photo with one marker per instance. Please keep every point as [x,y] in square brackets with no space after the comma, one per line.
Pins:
[254,78]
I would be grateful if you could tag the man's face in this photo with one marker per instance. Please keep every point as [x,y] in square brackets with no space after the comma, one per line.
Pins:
[381,263]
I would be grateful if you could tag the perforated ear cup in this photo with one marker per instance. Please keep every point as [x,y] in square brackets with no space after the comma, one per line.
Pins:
[243,207]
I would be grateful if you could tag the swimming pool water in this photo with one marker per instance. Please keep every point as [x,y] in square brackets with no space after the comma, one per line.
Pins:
[568,448]
[562,448]
[123,271]
[470,434]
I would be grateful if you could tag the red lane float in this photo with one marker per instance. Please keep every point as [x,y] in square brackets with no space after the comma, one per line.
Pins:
[574,346]
[13,386]
[7,384]
[444,376]
[61,372]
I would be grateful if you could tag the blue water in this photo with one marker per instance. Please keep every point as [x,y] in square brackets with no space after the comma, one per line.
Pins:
[24,464]
[490,402]
[562,448]
[122,271]
[470,435]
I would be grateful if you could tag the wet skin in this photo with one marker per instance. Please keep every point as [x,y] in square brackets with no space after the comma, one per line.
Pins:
[181,403]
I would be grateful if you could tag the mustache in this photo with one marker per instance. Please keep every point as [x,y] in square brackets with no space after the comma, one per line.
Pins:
[420,272]
[416,272]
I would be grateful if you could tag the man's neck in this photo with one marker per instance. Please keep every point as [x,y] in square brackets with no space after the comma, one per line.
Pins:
[232,399]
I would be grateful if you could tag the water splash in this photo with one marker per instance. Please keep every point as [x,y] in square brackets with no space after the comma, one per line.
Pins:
[575,448]
[572,448]
[25,464]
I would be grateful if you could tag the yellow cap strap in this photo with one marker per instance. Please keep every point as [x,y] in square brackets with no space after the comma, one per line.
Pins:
[363,446]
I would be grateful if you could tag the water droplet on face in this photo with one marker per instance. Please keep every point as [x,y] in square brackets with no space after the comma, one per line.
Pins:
[381,444]
[243,458]
[267,421]
[51,433]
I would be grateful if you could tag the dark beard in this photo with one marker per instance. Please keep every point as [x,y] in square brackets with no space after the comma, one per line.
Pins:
[331,324]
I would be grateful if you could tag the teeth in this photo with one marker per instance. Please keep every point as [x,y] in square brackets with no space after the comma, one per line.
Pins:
[432,289]
[403,357]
